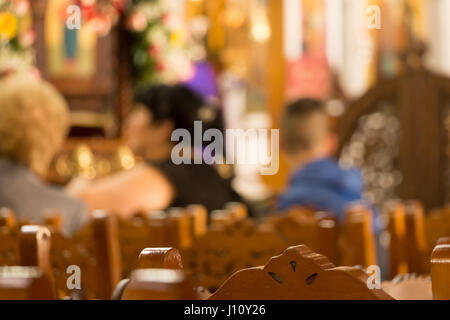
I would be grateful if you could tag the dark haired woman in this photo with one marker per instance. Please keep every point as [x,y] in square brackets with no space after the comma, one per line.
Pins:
[158,183]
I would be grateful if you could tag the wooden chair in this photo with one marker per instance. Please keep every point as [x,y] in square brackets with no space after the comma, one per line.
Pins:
[35,244]
[158,284]
[238,210]
[317,230]
[397,133]
[134,235]
[160,258]
[357,239]
[409,287]
[406,227]
[25,283]
[199,220]
[225,249]
[297,274]
[153,280]
[180,230]
[100,239]
[9,233]
[437,226]
[440,270]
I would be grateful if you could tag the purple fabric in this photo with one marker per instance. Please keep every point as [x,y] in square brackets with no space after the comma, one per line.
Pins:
[204,81]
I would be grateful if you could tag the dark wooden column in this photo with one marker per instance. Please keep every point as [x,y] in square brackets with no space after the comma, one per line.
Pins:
[38,10]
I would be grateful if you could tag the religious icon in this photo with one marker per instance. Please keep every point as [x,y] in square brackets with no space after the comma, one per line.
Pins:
[70,52]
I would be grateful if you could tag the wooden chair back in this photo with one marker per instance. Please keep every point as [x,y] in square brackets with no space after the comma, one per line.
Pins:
[160,258]
[158,284]
[317,230]
[357,239]
[101,240]
[409,287]
[407,247]
[297,274]
[225,249]
[35,244]
[440,270]
[397,133]
[9,234]
[25,283]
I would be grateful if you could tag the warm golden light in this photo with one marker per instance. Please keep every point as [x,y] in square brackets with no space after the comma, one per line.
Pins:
[261,31]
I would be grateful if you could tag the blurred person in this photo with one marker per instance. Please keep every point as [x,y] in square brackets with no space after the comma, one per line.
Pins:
[157,183]
[34,120]
[317,181]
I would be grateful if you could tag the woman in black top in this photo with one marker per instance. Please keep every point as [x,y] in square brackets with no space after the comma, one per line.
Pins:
[157,183]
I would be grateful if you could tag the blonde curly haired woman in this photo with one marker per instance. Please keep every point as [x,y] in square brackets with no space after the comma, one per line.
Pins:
[34,119]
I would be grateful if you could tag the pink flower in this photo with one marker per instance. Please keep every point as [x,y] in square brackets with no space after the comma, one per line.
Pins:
[137,22]
[21,7]
[27,38]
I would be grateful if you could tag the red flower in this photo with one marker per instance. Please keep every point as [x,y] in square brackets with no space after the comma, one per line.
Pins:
[153,50]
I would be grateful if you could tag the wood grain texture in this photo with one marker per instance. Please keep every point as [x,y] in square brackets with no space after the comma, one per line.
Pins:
[160,258]
[35,244]
[25,283]
[357,239]
[440,271]
[298,274]
[409,287]
[158,284]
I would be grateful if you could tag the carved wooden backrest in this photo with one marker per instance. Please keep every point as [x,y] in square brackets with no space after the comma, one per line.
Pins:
[296,274]
[398,133]
[317,230]
[225,249]
[134,235]
[440,270]
[357,239]
[25,283]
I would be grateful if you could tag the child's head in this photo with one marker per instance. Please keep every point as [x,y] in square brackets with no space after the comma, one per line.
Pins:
[305,130]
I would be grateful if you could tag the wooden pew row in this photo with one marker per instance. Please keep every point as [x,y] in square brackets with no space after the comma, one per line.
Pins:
[231,243]
[53,253]
[298,273]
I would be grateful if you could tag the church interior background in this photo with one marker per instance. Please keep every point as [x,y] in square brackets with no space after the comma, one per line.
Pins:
[248,56]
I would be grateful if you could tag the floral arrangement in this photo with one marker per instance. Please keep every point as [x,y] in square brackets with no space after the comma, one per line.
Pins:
[16,39]
[101,14]
[159,50]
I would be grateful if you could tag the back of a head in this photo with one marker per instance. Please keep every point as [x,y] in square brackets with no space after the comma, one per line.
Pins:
[304,125]
[34,119]
[180,105]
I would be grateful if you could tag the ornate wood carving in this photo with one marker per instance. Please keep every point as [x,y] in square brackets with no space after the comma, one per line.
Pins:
[225,249]
[298,274]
